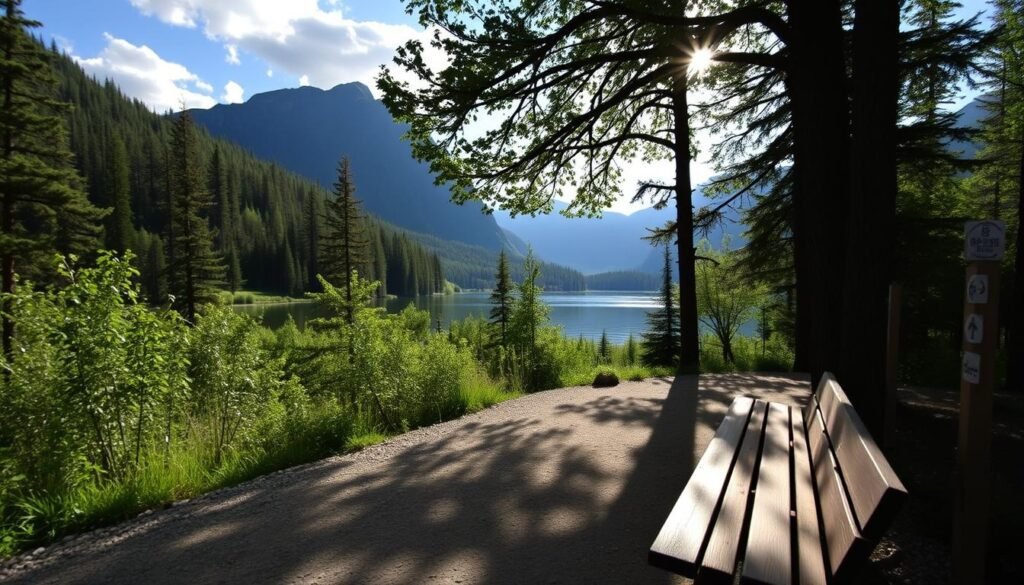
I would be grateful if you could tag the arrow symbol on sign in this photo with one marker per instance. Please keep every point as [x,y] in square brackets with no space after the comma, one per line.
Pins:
[972,328]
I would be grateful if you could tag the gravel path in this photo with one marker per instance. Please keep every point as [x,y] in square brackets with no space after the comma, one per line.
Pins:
[564,486]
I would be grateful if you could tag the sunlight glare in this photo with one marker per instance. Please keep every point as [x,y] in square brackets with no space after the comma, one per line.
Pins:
[700,60]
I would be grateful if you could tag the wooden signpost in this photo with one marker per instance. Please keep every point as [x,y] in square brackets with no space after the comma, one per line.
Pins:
[984,242]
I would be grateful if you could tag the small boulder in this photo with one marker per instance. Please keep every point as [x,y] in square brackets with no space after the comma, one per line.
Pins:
[605,380]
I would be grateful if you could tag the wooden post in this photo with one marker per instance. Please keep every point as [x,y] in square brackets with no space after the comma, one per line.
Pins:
[984,243]
[892,358]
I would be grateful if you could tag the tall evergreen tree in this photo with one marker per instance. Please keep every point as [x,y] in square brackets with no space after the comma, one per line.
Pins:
[501,299]
[529,314]
[661,340]
[195,271]
[604,350]
[42,206]
[344,247]
[631,350]
[120,231]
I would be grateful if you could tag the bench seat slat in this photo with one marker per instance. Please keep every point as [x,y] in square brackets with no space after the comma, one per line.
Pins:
[810,560]
[719,561]
[875,491]
[768,556]
[678,545]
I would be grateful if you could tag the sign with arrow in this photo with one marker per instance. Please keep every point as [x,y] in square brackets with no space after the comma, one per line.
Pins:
[974,328]
[977,289]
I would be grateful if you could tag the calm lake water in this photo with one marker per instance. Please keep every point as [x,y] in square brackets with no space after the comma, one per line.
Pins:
[580,313]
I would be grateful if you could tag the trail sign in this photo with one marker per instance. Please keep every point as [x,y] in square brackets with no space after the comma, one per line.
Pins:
[977,289]
[984,240]
[974,329]
[971,367]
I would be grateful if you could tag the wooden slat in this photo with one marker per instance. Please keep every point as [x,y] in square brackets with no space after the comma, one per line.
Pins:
[875,491]
[844,544]
[719,560]
[812,405]
[768,557]
[810,560]
[678,545]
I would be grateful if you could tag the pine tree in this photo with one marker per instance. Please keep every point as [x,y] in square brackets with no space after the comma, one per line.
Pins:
[119,224]
[529,314]
[38,184]
[195,270]
[501,299]
[604,351]
[631,351]
[344,247]
[661,341]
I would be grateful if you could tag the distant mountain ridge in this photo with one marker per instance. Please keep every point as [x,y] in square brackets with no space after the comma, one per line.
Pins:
[307,130]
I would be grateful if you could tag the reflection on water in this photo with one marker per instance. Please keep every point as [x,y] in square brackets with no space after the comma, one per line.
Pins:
[579,313]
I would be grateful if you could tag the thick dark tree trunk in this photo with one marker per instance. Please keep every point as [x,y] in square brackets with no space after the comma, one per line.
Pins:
[872,211]
[816,83]
[1015,334]
[689,351]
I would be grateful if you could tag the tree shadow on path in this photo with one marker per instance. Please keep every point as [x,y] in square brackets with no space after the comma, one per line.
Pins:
[575,494]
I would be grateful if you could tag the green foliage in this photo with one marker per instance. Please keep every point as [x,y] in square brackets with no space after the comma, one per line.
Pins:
[195,270]
[661,341]
[725,301]
[502,300]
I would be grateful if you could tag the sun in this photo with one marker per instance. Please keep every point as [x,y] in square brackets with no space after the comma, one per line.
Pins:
[700,60]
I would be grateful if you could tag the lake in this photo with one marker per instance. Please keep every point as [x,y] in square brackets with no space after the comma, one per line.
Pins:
[578,313]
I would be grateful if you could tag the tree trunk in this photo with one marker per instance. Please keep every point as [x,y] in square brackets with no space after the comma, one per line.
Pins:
[689,351]
[816,83]
[872,211]
[1015,337]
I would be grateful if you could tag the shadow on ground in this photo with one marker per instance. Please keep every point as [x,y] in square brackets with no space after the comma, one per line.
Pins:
[556,488]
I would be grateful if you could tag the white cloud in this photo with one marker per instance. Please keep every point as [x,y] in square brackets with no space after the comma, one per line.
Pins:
[232,56]
[232,93]
[270,72]
[304,80]
[295,36]
[142,74]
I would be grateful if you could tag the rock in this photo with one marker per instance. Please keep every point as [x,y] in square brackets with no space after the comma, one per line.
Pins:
[605,380]
[38,551]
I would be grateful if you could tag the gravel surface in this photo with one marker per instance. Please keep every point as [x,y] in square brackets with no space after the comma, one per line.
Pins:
[564,486]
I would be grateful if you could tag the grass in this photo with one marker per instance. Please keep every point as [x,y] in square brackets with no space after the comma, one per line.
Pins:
[189,470]
[255,297]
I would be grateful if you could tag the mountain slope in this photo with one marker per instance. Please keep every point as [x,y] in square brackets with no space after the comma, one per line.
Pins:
[611,243]
[307,130]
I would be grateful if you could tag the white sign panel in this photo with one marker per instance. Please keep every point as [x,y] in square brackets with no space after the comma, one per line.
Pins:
[977,289]
[974,328]
[984,240]
[971,369]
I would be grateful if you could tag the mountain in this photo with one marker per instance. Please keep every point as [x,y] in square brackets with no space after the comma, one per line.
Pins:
[612,243]
[306,130]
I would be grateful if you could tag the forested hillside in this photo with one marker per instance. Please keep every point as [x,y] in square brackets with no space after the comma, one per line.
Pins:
[306,129]
[268,220]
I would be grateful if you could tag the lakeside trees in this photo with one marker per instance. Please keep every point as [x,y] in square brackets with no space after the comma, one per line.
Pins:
[661,340]
[43,208]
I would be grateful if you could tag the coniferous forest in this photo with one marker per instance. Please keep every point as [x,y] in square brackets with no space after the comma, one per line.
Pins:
[267,222]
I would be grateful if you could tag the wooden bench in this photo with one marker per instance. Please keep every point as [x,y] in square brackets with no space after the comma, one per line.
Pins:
[783,496]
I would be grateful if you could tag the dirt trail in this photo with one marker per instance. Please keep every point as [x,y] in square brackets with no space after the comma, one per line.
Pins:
[564,486]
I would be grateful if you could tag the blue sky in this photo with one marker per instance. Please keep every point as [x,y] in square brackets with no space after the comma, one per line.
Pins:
[208,51]
[198,53]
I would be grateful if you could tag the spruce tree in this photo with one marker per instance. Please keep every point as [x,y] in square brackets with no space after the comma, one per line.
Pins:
[529,314]
[661,341]
[344,247]
[630,351]
[604,351]
[42,206]
[120,233]
[501,299]
[195,270]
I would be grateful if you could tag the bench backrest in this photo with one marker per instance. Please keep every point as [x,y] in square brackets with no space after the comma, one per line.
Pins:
[858,492]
